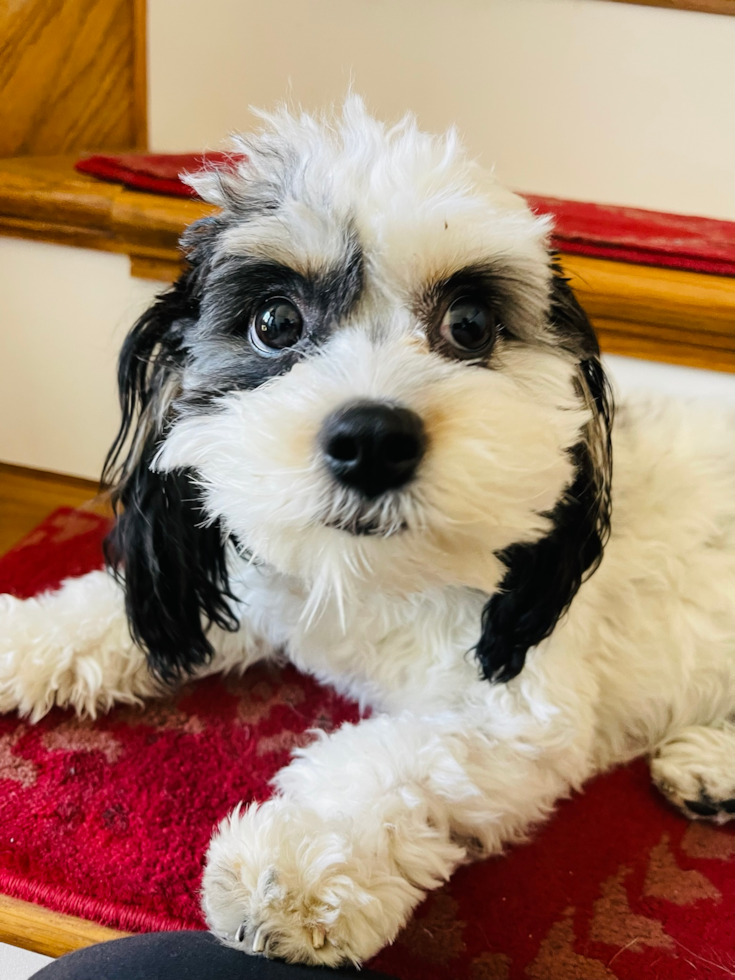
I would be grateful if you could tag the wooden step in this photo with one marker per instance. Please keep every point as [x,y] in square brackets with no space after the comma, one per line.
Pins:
[46,199]
[27,496]
[33,927]
[638,310]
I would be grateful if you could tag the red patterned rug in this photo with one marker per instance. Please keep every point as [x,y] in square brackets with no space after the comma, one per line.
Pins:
[110,821]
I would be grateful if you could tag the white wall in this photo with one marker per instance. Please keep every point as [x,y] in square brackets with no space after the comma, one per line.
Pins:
[63,315]
[585,99]
[20,964]
[630,375]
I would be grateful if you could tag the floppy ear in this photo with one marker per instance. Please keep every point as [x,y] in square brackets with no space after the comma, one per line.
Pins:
[542,578]
[172,560]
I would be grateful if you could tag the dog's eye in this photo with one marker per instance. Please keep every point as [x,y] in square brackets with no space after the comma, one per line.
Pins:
[277,324]
[469,325]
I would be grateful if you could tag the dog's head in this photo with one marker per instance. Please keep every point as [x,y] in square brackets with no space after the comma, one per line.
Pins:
[372,377]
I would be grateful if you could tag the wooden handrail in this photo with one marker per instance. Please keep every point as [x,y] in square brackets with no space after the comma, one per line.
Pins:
[44,198]
[657,314]
[701,6]
[638,310]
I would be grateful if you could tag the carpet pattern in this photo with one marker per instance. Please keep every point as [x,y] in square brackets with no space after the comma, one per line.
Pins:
[110,820]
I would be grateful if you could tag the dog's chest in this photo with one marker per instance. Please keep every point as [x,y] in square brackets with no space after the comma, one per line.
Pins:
[388,652]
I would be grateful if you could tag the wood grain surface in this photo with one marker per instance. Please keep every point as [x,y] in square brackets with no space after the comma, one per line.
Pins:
[140,74]
[51,933]
[46,199]
[27,496]
[72,76]
[702,6]
[657,314]
[649,343]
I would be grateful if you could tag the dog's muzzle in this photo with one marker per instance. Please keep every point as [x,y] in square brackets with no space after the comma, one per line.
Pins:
[373,447]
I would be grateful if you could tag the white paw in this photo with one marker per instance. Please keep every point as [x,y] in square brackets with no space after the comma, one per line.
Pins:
[70,648]
[281,882]
[695,770]
[11,641]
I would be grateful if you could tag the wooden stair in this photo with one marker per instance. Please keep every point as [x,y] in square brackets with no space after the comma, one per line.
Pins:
[638,310]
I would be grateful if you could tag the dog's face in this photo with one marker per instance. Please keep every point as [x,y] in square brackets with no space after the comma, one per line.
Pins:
[372,379]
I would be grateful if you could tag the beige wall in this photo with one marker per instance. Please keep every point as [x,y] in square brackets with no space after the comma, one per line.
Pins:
[63,315]
[585,99]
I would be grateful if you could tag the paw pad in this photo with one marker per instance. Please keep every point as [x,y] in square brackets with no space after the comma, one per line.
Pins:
[705,806]
[701,809]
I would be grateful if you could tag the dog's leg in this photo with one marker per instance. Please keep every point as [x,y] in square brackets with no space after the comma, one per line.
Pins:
[366,821]
[73,648]
[695,769]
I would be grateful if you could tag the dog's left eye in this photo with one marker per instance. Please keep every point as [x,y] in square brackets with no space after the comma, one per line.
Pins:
[469,325]
[277,324]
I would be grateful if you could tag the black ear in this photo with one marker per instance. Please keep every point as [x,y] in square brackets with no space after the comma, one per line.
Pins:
[174,567]
[542,578]
[172,560]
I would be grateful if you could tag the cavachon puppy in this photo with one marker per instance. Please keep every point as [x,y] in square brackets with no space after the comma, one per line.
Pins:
[368,430]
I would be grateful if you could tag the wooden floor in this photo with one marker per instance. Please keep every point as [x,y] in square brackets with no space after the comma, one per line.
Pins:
[51,933]
[27,496]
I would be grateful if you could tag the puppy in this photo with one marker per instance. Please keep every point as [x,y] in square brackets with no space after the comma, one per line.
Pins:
[369,429]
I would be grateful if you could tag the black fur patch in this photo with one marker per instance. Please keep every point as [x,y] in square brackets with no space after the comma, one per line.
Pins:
[221,357]
[175,570]
[189,347]
[488,281]
[173,563]
[544,577]
[571,324]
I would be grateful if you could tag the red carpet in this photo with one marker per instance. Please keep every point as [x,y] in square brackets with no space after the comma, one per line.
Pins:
[673,241]
[110,821]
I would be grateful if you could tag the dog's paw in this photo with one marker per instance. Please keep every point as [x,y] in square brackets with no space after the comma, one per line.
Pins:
[10,689]
[280,882]
[695,770]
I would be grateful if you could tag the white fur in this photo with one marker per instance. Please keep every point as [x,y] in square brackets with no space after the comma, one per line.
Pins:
[450,767]
[695,763]
[71,648]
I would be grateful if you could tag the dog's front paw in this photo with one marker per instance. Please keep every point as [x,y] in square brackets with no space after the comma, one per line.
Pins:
[281,882]
[11,687]
[695,770]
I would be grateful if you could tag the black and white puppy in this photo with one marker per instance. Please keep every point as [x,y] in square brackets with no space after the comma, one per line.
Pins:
[369,429]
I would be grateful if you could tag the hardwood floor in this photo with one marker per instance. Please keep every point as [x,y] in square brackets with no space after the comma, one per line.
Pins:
[51,933]
[27,496]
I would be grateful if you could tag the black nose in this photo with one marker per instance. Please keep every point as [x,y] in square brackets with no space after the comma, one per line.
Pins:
[373,447]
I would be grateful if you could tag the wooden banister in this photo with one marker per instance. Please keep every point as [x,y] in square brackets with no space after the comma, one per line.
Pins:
[46,199]
[72,76]
[638,310]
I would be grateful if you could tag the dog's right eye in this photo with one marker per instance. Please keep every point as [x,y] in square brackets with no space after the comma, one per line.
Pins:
[277,324]
[469,326]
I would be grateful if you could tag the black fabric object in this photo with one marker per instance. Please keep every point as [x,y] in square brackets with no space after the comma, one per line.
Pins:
[185,955]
